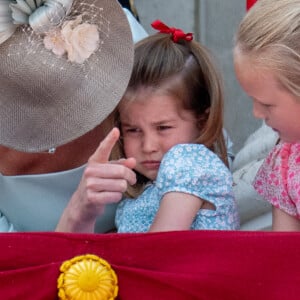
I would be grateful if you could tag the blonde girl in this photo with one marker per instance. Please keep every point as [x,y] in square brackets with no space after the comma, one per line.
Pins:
[267,64]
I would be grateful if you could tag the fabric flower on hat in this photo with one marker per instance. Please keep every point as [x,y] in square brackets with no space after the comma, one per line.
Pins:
[55,42]
[82,40]
[79,40]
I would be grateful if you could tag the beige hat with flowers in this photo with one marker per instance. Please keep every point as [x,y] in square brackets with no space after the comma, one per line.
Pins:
[64,66]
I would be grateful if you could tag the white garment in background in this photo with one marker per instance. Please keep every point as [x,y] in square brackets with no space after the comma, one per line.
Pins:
[137,30]
[255,213]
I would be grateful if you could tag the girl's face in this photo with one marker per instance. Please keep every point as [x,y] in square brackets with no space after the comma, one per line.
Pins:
[279,108]
[151,126]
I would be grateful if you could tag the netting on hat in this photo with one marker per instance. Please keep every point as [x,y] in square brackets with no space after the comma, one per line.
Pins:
[74,37]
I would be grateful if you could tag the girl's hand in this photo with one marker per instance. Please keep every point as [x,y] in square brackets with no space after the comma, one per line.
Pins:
[103,182]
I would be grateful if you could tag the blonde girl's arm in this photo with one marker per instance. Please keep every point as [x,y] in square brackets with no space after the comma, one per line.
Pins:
[284,222]
[176,212]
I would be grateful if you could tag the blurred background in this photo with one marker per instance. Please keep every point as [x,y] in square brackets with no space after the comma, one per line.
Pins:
[213,23]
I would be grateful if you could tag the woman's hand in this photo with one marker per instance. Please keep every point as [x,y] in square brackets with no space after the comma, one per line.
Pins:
[103,182]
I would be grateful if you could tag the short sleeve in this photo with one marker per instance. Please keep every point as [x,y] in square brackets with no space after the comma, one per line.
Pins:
[194,169]
[278,179]
[295,193]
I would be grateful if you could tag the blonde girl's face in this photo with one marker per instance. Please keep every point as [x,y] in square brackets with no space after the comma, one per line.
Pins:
[279,108]
[151,126]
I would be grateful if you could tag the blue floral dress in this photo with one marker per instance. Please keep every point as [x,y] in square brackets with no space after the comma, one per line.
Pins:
[191,169]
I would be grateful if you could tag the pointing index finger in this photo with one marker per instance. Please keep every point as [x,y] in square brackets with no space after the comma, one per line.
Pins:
[102,153]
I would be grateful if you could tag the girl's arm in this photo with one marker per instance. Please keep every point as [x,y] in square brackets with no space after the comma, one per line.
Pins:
[284,222]
[187,173]
[176,212]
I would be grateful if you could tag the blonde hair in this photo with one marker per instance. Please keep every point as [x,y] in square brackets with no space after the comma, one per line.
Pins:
[270,35]
[186,71]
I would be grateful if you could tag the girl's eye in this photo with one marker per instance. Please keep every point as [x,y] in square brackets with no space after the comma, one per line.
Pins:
[163,127]
[131,131]
[268,105]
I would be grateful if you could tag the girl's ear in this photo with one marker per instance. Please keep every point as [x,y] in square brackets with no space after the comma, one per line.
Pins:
[204,115]
[202,119]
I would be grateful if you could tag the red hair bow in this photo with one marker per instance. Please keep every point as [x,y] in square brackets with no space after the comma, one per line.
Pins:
[177,34]
[250,3]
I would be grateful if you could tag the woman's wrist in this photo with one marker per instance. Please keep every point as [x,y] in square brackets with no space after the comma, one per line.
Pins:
[69,224]
[74,220]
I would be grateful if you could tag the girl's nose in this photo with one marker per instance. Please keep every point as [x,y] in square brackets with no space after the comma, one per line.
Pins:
[149,143]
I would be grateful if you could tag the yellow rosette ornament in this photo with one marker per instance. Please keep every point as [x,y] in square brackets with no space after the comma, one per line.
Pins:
[87,277]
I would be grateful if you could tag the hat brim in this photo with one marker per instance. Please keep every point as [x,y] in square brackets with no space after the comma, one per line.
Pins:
[46,100]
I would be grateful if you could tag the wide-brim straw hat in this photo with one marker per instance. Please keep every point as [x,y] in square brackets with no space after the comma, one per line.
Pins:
[63,69]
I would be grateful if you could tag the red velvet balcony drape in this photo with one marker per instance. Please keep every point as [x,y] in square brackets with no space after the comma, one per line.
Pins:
[212,265]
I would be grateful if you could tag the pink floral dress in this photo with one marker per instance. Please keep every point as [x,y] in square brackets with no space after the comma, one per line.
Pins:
[278,179]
